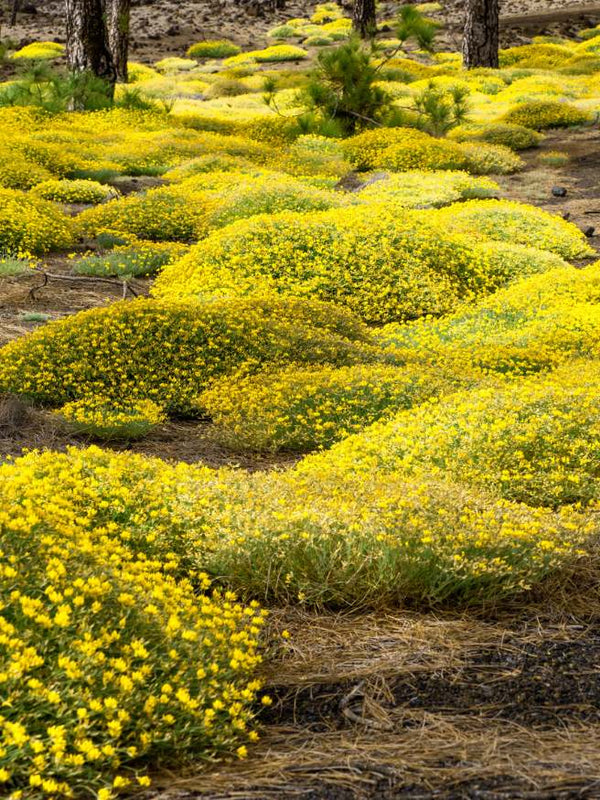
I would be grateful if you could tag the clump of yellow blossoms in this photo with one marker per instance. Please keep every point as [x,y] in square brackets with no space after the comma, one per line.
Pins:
[78,191]
[40,51]
[508,221]
[169,351]
[31,224]
[543,114]
[323,534]
[533,441]
[384,263]
[101,418]
[534,325]
[113,650]
[517,137]
[302,409]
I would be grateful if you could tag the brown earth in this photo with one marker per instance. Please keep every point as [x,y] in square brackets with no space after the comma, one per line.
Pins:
[167,27]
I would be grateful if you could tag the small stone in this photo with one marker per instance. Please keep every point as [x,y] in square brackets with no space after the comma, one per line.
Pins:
[589,231]
[566,215]
[559,191]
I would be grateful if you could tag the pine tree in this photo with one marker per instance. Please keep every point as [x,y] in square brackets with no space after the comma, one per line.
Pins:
[363,18]
[481,36]
[87,40]
[117,24]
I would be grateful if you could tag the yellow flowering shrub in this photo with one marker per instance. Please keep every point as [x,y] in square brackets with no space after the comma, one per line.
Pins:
[516,137]
[386,264]
[138,258]
[273,53]
[74,191]
[18,172]
[491,159]
[156,216]
[102,418]
[326,535]
[304,408]
[534,325]
[364,149]
[535,441]
[508,221]
[40,51]
[536,56]
[32,225]
[168,352]
[543,114]
[213,48]
[417,189]
[113,651]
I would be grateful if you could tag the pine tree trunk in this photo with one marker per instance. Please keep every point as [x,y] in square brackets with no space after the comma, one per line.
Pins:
[363,18]
[87,45]
[481,38]
[16,5]
[117,26]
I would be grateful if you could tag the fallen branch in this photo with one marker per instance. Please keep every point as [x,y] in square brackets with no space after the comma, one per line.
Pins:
[358,718]
[84,278]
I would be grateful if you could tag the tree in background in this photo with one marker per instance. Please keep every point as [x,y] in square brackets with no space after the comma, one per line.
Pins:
[87,40]
[118,13]
[481,37]
[98,38]
[363,18]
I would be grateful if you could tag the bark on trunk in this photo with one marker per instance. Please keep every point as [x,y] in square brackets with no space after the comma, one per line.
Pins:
[363,18]
[87,45]
[480,42]
[117,25]
[16,5]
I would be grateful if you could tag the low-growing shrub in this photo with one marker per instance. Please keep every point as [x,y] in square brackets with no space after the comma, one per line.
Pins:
[115,654]
[554,158]
[508,221]
[18,172]
[534,441]
[516,137]
[386,264]
[138,259]
[168,352]
[425,189]
[491,159]
[302,409]
[158,216]
[321,535]
[31,225]
[101,418]
[534,325]
[543,114]
[40,51]
[217,48]
[74,191]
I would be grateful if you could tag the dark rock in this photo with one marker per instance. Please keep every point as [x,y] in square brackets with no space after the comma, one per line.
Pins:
[589,231]
[566,215]
[559,191]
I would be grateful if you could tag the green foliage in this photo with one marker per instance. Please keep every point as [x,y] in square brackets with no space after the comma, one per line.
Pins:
[413,24]
[56,90]
[218,48]
[441,109]
[343,88]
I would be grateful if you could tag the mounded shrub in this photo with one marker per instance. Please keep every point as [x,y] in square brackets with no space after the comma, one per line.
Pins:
[534,441]
[99,418]
[158,216]
[386,265]
[75,191]
[516,137]
[534,325]
[31,225]
[213,48]
[424,189]
[305,408]
[168,352]
[541,115]
[518,223]
[321,535]
[115,654]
